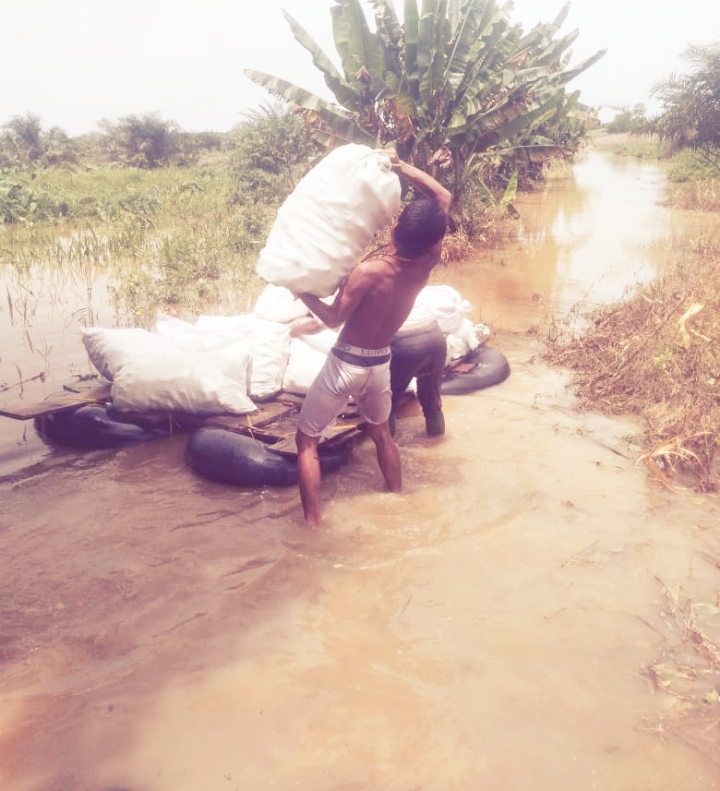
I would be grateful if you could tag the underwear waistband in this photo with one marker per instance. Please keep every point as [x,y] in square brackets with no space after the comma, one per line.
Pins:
[360,352]
[379,356]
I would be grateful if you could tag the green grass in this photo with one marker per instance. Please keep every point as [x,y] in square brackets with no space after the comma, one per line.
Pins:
[628,145]
[694,182]
[171,238]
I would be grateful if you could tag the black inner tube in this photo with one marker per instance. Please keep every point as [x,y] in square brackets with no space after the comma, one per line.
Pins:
[91,426]
[239,460]
[492,368]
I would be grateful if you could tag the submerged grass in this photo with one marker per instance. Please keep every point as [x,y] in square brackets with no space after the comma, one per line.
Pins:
[688,670]
[657,355]
[172,239]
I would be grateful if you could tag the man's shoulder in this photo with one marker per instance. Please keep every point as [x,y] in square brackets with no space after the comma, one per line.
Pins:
[378,265]
[380,259]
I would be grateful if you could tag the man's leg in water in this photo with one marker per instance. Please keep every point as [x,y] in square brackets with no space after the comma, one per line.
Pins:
[388,454]
[309,476]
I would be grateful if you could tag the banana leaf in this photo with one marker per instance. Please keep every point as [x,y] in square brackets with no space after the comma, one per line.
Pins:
[510,191]
[412,69]
[357,47]
[432,40]
[390,32]
[344,92]
[340,120]
[580,68]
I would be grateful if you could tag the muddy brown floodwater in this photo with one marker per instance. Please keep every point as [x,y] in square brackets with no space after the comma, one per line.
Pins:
[532,612]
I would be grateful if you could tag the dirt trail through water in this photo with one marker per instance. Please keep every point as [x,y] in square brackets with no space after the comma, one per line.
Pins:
[532,612]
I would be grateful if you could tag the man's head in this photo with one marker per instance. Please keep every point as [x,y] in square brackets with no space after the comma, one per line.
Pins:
[420,226]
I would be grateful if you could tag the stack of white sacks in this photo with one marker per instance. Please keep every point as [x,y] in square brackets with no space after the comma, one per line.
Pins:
[227,364]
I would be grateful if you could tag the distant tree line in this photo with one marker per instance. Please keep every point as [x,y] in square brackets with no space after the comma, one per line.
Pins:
[689,117]
[261,159]
[143,141]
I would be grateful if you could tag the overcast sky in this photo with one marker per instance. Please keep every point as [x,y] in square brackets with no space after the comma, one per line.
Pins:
[75,62]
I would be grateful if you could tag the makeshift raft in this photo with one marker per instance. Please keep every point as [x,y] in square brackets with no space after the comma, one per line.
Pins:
[60,421]
[82,415]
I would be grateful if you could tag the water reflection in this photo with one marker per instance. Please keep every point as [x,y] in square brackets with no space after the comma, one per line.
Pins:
[584,239]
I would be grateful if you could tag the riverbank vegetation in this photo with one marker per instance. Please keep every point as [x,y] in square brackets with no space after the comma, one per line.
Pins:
[172,221]
[657,354]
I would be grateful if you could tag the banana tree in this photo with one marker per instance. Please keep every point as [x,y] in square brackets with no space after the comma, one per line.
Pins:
[453,86]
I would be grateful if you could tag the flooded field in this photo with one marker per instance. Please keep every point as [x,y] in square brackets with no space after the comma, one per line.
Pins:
[531,612]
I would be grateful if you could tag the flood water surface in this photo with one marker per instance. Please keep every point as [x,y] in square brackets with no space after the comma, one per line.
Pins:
[531,612]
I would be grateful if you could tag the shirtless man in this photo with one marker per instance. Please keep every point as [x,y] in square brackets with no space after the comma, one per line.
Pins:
[372,304]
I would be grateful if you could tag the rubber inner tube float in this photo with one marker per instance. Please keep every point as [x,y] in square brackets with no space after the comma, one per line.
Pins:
[91,426]
[492,368]
[228,457]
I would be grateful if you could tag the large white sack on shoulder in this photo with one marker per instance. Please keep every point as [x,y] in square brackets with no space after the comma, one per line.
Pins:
[178,381]
[304,365]
[323,227]
[445,304]
[277,303]
[110,349]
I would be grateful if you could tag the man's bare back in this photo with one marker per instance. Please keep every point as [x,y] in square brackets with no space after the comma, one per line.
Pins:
[396,282]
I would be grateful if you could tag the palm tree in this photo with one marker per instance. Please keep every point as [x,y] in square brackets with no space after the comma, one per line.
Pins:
[691,102]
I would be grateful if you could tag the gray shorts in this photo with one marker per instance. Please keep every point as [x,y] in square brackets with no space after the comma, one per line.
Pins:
[369,385]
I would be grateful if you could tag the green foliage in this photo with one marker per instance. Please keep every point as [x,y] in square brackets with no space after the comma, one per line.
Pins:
[690,165]
[25,145]
[169,238]
[142,141]
[20,203]
[457,89]
[629,120]
[639,147]
[269,153]
[690,117]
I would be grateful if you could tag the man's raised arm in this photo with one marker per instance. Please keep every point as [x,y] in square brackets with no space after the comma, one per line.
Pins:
[422,180]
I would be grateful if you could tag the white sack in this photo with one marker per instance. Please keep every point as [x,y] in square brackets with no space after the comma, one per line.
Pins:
[189,337]
[444,304]
[235,327]
[268,343]
[270,352]
[325,224]
[321,341]
[461,342]
[186,382]
[109,349]
[303,366]
[276,303]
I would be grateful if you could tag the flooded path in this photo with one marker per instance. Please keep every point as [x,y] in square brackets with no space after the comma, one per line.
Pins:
[528,614]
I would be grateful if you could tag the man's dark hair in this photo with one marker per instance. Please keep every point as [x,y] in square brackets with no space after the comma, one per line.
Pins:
[420,225]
